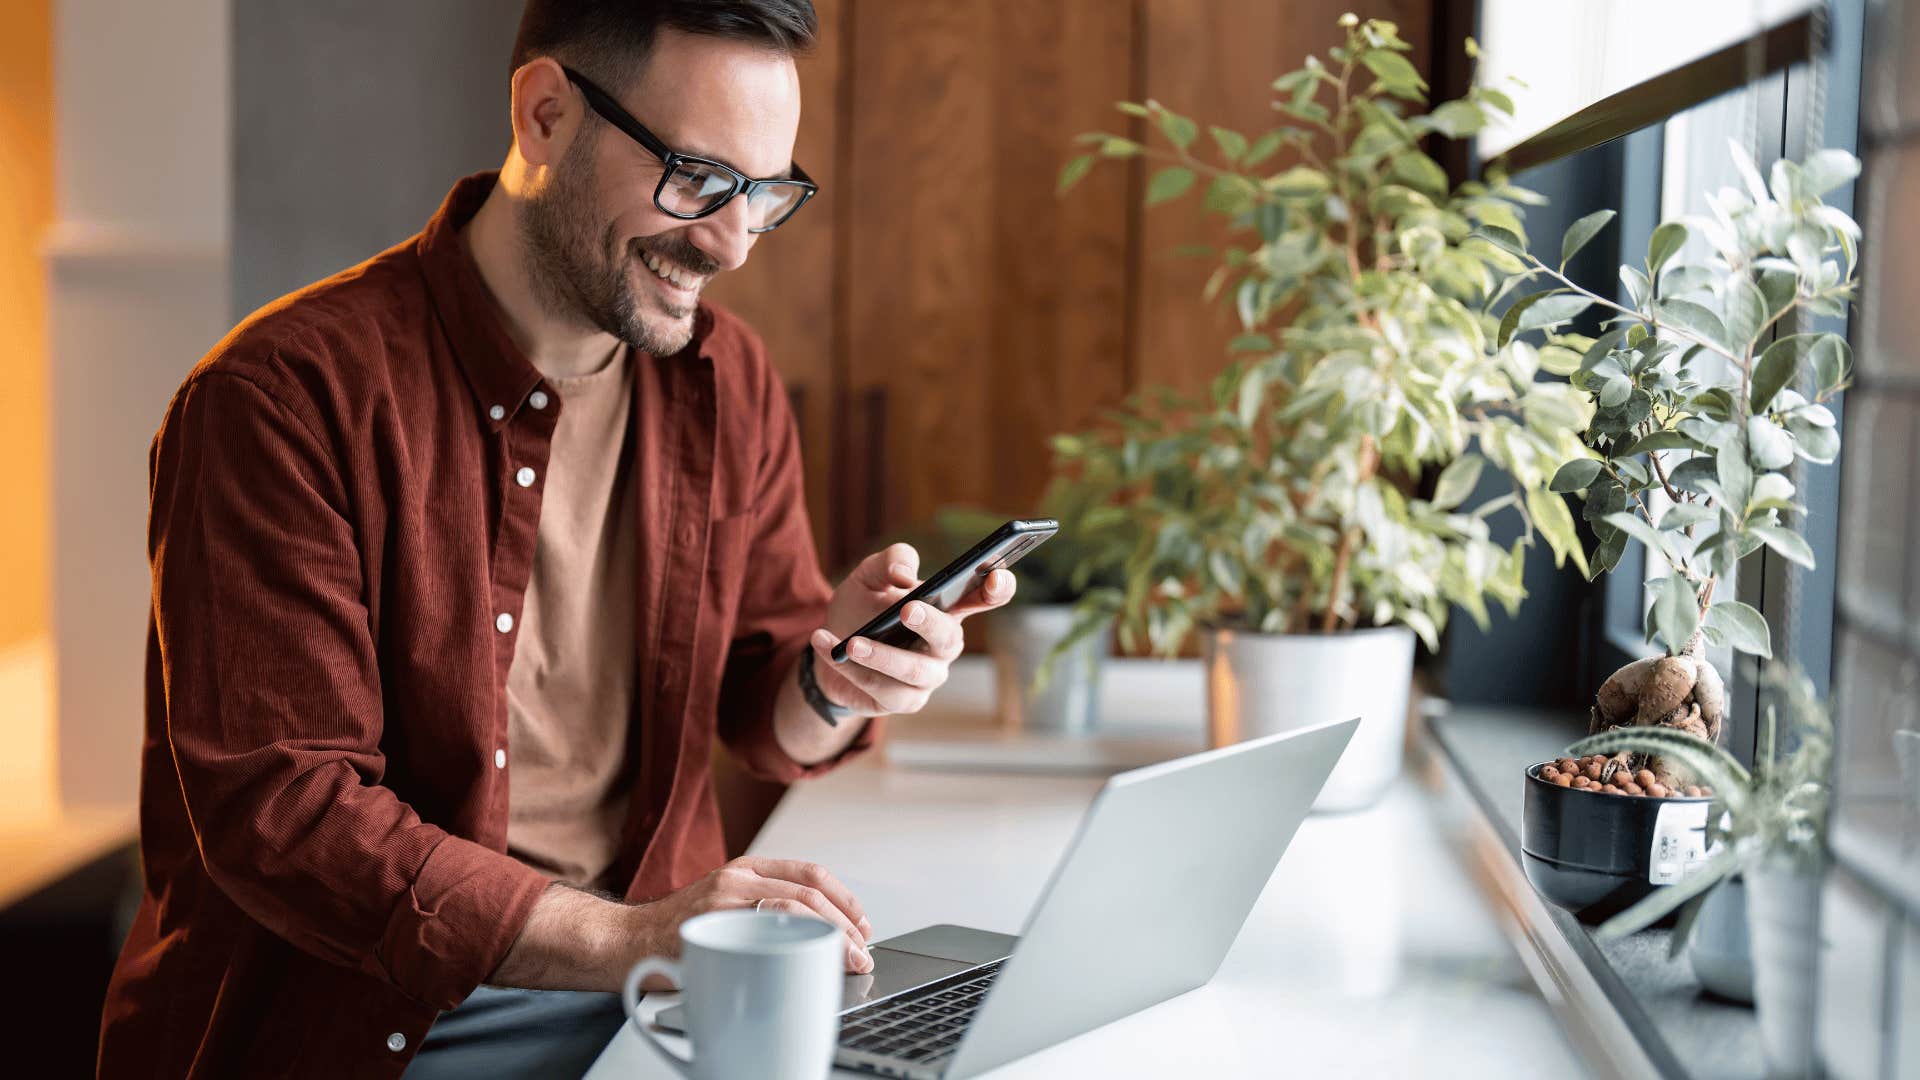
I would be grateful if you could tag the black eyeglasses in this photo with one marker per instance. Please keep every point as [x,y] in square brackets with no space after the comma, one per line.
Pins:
[692,187]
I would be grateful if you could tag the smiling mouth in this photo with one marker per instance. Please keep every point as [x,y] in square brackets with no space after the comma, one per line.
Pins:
[669,273]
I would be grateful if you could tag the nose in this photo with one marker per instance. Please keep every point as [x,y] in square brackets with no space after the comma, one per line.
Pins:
[723,235]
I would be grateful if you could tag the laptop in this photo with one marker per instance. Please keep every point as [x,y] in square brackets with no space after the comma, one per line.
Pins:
[1154,887]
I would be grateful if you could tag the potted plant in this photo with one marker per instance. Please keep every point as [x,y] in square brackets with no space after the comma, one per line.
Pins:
[1703,402]
[1281,517]
[1773,835]
[1047,662]
[1699,413]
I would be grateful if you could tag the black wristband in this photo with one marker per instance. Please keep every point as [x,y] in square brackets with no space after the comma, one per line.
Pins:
[817,700]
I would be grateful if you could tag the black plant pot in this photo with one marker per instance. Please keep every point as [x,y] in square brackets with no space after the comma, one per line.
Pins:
[1596,854]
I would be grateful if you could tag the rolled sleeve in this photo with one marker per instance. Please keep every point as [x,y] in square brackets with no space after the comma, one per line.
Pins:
[274,711]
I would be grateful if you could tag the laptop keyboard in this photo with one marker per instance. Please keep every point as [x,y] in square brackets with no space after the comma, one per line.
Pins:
[922,1028]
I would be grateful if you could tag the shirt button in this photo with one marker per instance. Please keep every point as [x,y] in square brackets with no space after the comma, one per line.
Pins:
[504,622]
[537,399]
[497,413]
[500,758]
[396,1042]
[524,477]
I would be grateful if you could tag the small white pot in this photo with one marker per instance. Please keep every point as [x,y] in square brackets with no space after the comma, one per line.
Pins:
[1721,951]
[1783,910]
[1259,684]
[1024,635]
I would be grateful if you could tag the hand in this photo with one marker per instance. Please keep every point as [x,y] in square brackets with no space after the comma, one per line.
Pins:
[880,679]
[783,885]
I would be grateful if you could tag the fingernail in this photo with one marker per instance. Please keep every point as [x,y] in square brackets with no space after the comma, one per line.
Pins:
[913,615]
[822,638]
[901,570]
[866,929]
[866,960]
[859,647]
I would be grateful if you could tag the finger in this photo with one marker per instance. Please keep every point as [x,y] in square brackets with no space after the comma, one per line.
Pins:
[890,694]
[939,629]
[906,667]
[816,904]
[895,566]
[814,875]
[858,960]
[991,593]
[832,680]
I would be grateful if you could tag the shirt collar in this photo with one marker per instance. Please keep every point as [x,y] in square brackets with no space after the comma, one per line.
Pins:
[499,373]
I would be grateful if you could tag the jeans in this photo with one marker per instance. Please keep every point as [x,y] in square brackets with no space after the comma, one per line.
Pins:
[505,1033]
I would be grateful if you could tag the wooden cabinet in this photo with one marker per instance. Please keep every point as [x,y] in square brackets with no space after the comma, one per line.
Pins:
[937,311]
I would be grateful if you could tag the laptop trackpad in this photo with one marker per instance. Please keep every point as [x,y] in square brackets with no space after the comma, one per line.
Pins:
[893,972]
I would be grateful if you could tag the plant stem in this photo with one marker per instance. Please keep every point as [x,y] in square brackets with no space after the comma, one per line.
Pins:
[1329,620]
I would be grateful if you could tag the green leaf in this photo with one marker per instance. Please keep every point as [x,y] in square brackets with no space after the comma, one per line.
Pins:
[1120,148]
[1263,148]
[1742,626]
[1420,172]
[1132,109]
[1775,369]
[1457,119]
[1656,440]
[1301,181]
[1668,239]
[1575,474]
[1831,361]
[1825,170]
[1549,513]
[1552,310]
[1690,316]
[1580,232]
[1785,542]
[1632,524]
[1169,183]
[1071,173]
[1179,130]
[1676,611]
[1457,481]
[1232,144]
[1746,312]
[1735,478]
[1501,238]
[1768,446]
[1393,70]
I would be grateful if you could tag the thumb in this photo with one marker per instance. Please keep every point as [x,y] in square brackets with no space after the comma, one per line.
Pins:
[894,566]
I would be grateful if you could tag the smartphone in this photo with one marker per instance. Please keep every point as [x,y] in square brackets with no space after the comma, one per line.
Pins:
[1001,548]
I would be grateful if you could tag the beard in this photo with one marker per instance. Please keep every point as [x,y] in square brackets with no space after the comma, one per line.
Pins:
[582,271]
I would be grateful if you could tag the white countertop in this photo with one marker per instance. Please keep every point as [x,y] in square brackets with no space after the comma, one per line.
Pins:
[1371,952]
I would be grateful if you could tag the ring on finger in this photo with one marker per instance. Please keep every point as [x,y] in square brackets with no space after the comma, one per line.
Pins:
[757,903]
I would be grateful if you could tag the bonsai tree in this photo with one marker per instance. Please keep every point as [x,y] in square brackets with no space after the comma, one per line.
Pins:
[1701,403]
[1287,499]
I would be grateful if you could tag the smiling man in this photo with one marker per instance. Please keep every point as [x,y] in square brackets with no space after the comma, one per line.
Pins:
[462,559]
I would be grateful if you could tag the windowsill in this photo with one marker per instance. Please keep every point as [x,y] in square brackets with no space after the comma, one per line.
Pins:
[1627,986]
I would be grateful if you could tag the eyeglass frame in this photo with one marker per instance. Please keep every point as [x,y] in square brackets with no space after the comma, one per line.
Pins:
[611,111]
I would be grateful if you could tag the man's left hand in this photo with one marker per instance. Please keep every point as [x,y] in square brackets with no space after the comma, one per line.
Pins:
[881,679]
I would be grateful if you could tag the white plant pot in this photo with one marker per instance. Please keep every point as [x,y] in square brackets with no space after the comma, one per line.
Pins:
[1023,637]
[1259,684]
[1721,952]
[1783,910]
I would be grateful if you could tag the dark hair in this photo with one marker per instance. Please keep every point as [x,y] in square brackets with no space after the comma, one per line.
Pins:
[608,40]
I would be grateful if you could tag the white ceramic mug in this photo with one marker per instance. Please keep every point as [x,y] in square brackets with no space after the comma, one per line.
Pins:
[760,991]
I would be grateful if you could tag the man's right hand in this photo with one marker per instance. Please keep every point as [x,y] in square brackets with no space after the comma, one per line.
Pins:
[574,940]
[783,885]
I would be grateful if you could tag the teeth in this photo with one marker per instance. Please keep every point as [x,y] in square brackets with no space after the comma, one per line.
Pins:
[669,273]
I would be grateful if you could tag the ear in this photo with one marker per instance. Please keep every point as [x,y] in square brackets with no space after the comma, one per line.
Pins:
[546,111]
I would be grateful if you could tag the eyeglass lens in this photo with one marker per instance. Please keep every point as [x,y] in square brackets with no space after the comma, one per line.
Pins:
[695,188]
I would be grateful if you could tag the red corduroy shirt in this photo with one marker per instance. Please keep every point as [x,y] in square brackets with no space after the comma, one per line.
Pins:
[341,532]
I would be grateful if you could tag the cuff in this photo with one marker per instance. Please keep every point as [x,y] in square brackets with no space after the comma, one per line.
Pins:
[456,922]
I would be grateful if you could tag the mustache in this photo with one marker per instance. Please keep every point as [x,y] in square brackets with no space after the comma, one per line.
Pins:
[679,250]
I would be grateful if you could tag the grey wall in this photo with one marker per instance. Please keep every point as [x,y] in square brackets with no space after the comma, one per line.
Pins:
[351,119]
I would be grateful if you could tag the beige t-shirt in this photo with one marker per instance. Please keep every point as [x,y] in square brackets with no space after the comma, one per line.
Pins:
[570,686]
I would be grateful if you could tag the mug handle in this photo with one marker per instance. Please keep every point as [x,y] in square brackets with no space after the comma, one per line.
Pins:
[630,999]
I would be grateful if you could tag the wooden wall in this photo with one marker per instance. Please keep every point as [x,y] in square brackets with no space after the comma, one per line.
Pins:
[936,310]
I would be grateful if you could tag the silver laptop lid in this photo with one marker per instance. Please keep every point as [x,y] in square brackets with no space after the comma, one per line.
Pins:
[1152,891]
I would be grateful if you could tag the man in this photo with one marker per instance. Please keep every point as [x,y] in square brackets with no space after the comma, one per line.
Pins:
[462,558]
